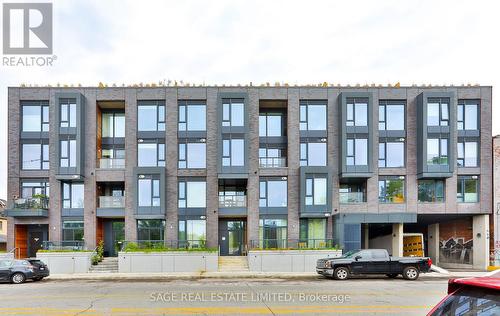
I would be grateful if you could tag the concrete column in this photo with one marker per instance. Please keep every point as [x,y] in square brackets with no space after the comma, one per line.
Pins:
[397,239]
[89,215]
[293,109]
[212,178]
[433,242]
[171,203]
[481,241]
[130,162]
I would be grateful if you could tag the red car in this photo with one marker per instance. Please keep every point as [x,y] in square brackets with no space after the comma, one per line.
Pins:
[471,296]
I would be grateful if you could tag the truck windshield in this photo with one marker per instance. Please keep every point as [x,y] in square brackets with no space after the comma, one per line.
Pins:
[350,253]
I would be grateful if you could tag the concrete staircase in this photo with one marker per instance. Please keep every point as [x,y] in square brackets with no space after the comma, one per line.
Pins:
[233,263]
[107,265]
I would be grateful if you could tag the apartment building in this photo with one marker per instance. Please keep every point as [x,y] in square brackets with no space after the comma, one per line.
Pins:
[237,168]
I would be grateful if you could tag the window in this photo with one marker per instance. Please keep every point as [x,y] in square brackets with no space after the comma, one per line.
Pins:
[357,112]
[431,191]
[35,116]
[352,193]
[233,152]
[467,189]
[31,188]
[192,155]
[470,300]
[271,124]
[467,153]
[391,153]
[233,112]
[273,193]
[193,232]
[192,194]
[151,116]
[192,116]
[357,152]
[438,112]
[391,116]
[72,230]
[113,124]
[391,189]
[150,229]
[272,157]
[68,153]
[313,153]
[68,112]
[151,154]
[149,190]
[272,233]
[313,116]
[437,151]
[73,194]
[467,115]
[312,231]
[35,156]
[316,188]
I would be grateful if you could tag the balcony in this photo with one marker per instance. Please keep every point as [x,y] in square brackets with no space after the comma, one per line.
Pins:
[232,201]
[29,207]
[112,163]
[274,162]
[351,197]
[111,201]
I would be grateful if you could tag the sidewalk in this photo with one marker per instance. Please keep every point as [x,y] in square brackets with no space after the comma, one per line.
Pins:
[229,275]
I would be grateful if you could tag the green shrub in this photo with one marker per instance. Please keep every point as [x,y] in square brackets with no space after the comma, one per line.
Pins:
[100,250]
[95,260]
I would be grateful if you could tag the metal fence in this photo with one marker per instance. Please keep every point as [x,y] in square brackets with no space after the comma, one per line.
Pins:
[163,244]
[292,244]
[32,203]
[64,245]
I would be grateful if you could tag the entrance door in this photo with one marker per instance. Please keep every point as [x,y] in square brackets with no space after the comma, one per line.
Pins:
[232,235]
[35,243]
[114,235]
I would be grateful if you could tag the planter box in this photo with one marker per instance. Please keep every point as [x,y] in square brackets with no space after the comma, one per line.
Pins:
[6,255]
[288,260]
[174,261]
[66,262]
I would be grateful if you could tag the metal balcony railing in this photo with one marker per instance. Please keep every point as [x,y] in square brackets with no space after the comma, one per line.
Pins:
[111,163]
[272,162]
[351,197]
[31,203]
[163,244]
[64,245]
[111,201]
[312,243]
[232,201]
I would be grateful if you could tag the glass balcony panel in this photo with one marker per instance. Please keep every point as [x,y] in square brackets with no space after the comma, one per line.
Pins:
[112,163]
[111,201]
[232,201]
[32,203]
[272,162]
[351,197]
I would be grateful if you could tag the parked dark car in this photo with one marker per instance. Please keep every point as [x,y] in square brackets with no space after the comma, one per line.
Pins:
[18,271]
[372,261]
[471,296]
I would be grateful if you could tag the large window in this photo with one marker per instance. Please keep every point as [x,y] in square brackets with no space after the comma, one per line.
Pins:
[68,153]
[73,195]
[193,232]
[312,232]
[391,116]
[357,112]
[192,116]
[151,154]
[113,124]
[151,116]
[272,233]
[72,230]
[35,116]
[467,153]
[148,190]
[316,190]
[357,152]
[192,194]
[468,189]
[35,156]
[391,189]
[313,154]
[150,229]
[271,124]
[273,193]
[68,112]
[34,188]
[233,112]
[391,153]
[233,152]
[438,112]
[431,191]
[313,116]
[437,151]
[192,155]
[467,114]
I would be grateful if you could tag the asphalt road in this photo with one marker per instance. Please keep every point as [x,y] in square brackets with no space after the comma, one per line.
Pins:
[373,296]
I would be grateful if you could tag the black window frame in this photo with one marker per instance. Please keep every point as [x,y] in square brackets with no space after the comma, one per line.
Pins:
[229,121]
[304,119]
[152,229]
[68,139]
[353,102]
[183,108]
[44,120]
[440,147]
[182,162]
[384,104]
[159,142]
[461,110]
[353,138]
[312,177]
[230,138]
[308,141]
[440,101]
[153,178]
[44,157]
[384,141]
[65,121]
[73,230]
[385,199]
[263,196]
[70,185]
[160,104]
[461,142]
[434,184]
[461,183]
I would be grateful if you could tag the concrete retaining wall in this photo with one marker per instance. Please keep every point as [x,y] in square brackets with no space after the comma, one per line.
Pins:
[288,260]
[66,262]
[178,261]
[6,255]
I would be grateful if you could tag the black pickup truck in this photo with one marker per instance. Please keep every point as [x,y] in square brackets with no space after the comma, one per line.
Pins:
[372,261]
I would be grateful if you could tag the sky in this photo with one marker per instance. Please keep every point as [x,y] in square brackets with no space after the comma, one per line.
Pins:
[298,42]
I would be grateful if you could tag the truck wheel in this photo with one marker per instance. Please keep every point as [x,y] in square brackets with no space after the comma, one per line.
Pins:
[18,278]
[392,275]
[410,273]
[341,273]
